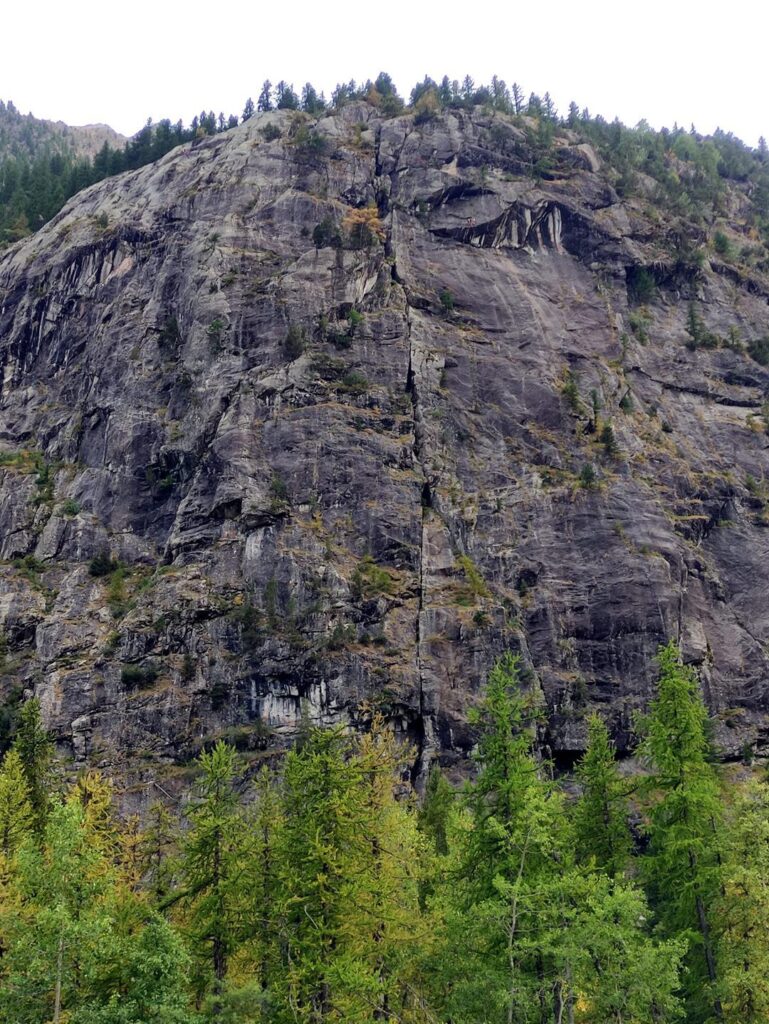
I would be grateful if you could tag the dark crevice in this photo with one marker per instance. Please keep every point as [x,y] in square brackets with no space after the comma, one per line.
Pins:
[713,396]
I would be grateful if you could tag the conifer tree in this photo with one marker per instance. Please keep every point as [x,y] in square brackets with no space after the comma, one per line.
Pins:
[158,844]
[435,811]
[263,932]
[211,869]
[742,909]
[34,746]
[265,97]
[620,974]
[502,899]
[16,815]
[78,944]
[383,932]
[601,814]
[317,836]
[682,864]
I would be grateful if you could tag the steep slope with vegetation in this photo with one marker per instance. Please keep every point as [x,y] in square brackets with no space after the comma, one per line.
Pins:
[337,405]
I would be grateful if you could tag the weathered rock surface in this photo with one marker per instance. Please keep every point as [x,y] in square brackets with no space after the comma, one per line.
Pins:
[375,518]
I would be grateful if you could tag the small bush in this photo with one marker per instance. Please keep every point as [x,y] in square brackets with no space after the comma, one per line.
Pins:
[570,391]
[278,489]
[447,302]
[340,637]
[370,580]
[752,485]
[309,143]
[721,244]
[69,508]
[639,324]
[587,477]
[354,383]
[355,319]
[364,227]
[759,350]
[295,342]
[474,585]
[270,132]
[608,440]
[214,331]
[699,335]
[138,677]
[117,595]
[326,234]
[102,564]
[641,285]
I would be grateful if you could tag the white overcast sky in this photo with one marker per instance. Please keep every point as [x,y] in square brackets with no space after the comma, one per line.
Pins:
[86,61]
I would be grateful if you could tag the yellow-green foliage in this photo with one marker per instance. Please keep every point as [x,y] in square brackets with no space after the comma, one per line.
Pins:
[474,585]
[370,580]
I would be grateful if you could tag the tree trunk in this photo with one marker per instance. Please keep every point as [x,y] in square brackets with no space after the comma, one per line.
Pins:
[59,971]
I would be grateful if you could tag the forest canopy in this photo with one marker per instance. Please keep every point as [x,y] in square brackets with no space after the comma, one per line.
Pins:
[317,887]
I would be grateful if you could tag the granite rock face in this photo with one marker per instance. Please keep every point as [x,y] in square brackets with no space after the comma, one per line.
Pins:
[324,476]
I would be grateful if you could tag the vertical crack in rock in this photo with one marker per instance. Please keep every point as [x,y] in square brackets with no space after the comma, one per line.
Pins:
[426,737]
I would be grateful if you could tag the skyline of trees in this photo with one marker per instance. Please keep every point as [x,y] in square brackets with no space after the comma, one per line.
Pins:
[40,168]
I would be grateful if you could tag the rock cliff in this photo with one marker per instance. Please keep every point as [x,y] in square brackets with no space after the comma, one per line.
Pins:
[306,416]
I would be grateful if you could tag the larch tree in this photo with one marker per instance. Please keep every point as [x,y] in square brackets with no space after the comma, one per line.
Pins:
[682,864]
[602,834]
[211,872]
[35,749]
[742,909]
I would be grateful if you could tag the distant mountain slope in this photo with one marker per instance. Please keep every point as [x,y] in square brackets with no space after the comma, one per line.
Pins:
[29,136]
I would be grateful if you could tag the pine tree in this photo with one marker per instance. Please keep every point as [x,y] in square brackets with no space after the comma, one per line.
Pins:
[517,95]
[742,909]
[682,864]
[265,97]
[16,815]
[315,840]
[34,746]
[94,793]
[383,932]
[601,814]
[619,973]
[212,864]
[285,97]
[78,944]
[435,811]
[262,935]
[502,898]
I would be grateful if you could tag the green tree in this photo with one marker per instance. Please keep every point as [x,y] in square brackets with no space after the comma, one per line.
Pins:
[265,97]
[34,746]
[317,835]
[383,932]
[262,935]
[500,906]
[682,866]
[16,815]
[742,909]
[601,814]
[434,814]
[211,871]
[620,974]
[78,944]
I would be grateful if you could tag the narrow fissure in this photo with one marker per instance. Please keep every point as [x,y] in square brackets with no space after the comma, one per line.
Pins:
[425,737]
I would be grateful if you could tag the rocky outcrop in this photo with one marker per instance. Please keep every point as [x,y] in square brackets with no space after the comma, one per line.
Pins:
[318,476]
